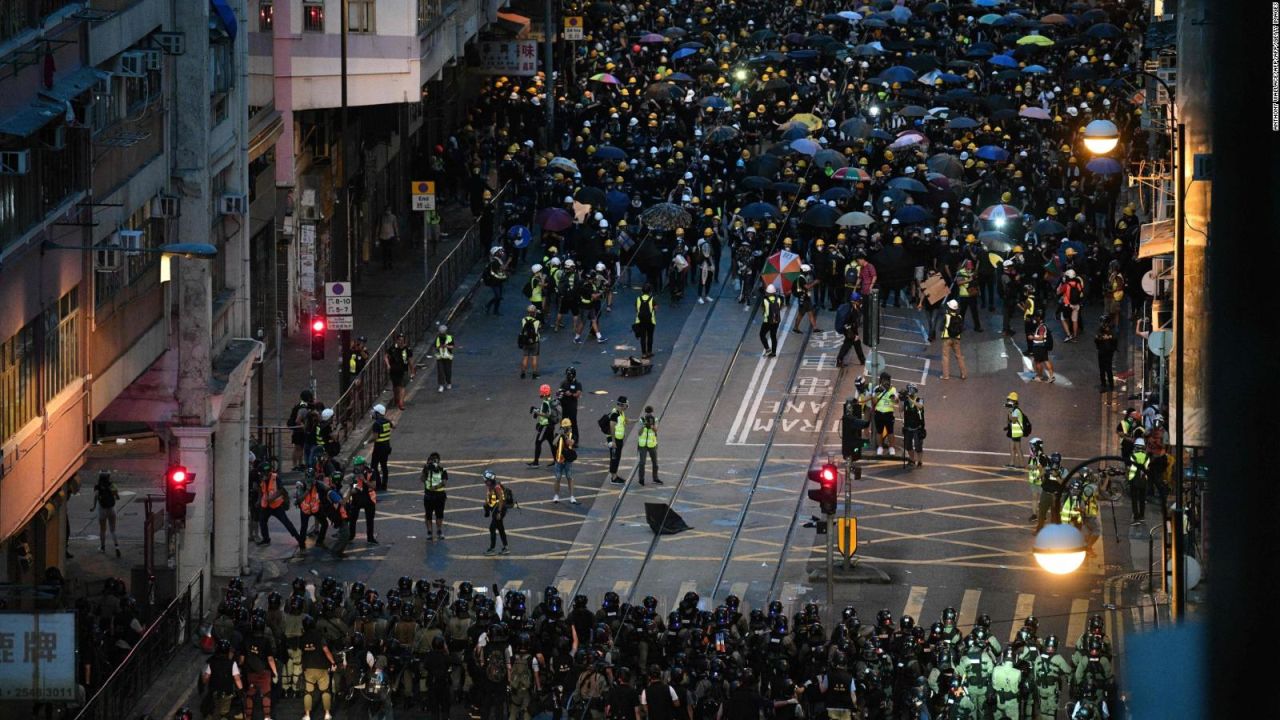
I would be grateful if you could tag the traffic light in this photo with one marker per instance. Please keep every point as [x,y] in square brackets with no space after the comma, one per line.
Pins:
[317,338]
[176,495]
[851,426]
[827,477]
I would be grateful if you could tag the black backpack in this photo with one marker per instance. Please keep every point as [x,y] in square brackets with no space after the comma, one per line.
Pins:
[1026,424]
[603,422]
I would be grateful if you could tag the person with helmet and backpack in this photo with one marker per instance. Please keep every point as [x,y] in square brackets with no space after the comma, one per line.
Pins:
[496,503]
[770,318]
[952,327]
[647,442]
[364,496]
[333,512]
[257,659]
[546,416]
[524,681]
[381,431]
[529,341]
[848,320]
[434,480]
[273,503]
[1016,426]
[646,320]
[308,499]
[1035,473]
[222,681]
[1139,463]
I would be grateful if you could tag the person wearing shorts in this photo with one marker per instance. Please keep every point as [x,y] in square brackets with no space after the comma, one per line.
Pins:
[434,480]
[105,497]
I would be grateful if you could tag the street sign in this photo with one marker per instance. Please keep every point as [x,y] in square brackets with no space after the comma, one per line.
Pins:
[337,299]
[847,535]
[573,28]
[1160,342]
[37,657]
[424,195]
[341,322]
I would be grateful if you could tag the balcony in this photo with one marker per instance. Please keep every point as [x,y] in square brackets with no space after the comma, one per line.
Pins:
[19,16]
[55,175]
[123,149]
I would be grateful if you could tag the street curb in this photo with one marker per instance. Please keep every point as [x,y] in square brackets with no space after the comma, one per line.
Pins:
[860,574]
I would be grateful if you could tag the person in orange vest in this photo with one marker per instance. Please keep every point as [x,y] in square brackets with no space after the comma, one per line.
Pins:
[364,496]
[308,495]
[273,501]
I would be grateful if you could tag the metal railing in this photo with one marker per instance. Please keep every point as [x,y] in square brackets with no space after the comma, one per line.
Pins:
[149,658]
[417,323]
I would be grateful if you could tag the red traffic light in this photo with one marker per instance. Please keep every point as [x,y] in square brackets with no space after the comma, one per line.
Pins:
[317,325]
[828,475]
[178,476]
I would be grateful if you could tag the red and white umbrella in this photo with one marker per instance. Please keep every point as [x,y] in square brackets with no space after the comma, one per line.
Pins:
[1001,213]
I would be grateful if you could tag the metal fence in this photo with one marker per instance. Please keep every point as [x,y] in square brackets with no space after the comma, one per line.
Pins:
[149,658]
[418,324]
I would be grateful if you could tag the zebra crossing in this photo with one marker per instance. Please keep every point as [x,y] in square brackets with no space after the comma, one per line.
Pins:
[1063,616]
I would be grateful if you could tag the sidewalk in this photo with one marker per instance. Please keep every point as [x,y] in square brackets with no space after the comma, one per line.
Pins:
[381,297]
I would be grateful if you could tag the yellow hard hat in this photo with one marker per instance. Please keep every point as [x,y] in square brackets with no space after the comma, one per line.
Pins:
[1012,396]
[1017,249]
[897,240]
[819,243]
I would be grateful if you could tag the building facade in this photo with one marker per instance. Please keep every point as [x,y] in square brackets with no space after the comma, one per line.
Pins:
[123,128]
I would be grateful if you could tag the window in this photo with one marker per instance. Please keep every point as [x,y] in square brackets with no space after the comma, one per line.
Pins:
[222,68]
[428,12]
[133,266]
[61,344]
[44,352]
[313,15]
[266,16]
[360,16]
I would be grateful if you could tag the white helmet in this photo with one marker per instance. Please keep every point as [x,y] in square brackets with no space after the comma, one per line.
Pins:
[771,290]
[953,304]
[555,262]
[444,328]
[600,267]
[537,267]
[569,263]
[604,223]
[805,268]
[1140,442]
[326,414]
[1070,273]
[379,409]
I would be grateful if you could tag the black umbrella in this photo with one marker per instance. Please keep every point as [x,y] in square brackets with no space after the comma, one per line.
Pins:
[776,83]
[760,211]
[663,91]
[820,216]
[855,128]
[755,182]
[665,216]
[763,35]
[722,133]
[921,63]
[663,520]
[765,165]
[610,153]
[786,188]
[1049,227]
[589,195]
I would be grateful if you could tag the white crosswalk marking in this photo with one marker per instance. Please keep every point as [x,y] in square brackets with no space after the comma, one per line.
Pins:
[968,609]
[915,602]
[1021,611]
[1079,616]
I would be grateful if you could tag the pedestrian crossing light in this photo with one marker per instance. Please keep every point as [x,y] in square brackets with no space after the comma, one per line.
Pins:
[176,495]
[827,477]
[317,338]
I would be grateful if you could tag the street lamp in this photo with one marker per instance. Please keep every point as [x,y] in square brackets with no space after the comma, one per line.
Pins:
[1178,540]
[740,75]
[1060,549]
[1101,137]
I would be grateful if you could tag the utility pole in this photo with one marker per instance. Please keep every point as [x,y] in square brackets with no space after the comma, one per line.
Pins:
[342,260]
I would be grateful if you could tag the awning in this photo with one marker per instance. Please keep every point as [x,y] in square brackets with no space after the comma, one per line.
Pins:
[516,25]
[1155,238]
[226,15]
[31,118]
[75,84]
[265,137]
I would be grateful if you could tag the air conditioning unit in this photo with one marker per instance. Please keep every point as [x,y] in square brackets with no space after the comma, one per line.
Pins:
[106,257]
[130,241]
[15,162]
[154,59]
[166,206]
[131,64]
[234,204]
[173,43]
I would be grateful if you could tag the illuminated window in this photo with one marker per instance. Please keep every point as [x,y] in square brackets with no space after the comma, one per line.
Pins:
[313,15]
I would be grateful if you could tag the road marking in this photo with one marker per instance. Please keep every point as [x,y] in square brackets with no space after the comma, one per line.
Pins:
[622,587]
[1022,610]
[759,389]
[968,608]
[565,587]
[915,602]
[1079,615]
[924,374]
[512,585]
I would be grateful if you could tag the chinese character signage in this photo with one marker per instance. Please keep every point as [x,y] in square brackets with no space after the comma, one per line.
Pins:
[38,656]
[509,57]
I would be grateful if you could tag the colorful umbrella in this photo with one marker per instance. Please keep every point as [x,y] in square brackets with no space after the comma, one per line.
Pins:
[1054,19]
[606,78]
[651,38]
[809,120]
[989,19]
[852,174]
[1036,40]
[908,138]
[781,269]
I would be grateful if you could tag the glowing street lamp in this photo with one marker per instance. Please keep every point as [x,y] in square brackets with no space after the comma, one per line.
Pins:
[1101,137]
[740,74]
[1060,549]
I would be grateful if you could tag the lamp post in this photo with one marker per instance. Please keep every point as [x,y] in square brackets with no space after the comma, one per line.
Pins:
[1103,140]
[1059,549]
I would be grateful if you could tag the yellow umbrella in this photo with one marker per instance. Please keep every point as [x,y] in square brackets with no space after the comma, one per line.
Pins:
[1039,40]
[809,120]
[995,259]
